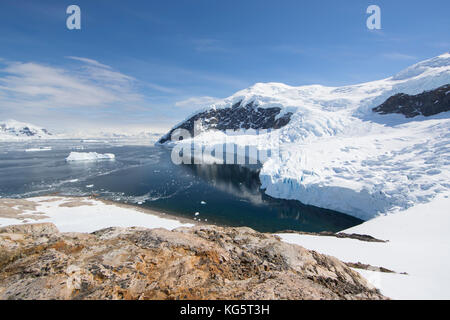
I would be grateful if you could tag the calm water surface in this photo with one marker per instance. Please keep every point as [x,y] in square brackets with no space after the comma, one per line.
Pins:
[145,176]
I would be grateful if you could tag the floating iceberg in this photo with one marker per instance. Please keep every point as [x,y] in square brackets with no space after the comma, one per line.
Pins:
[38,149]
[89,156]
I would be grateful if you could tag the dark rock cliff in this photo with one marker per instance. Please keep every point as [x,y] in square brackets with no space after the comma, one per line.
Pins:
[239,116]
[427,103]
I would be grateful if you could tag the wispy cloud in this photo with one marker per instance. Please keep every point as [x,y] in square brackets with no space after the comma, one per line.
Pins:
[196,102]
[290,49]
[90,61]
[209,45]
[160,88]
[398,56]
[85,92]
[31,85]
[441,45]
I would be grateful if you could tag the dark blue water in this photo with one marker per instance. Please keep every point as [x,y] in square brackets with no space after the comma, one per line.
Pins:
[145,176]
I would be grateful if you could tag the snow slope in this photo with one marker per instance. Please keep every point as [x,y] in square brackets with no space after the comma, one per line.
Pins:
[336,153]
[419,243]
[87,215]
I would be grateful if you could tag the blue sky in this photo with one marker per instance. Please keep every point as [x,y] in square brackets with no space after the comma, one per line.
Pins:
[149,64]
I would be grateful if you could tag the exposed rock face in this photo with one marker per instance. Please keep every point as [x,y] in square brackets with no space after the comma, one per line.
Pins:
[427,103]
[203,262]
[239,116]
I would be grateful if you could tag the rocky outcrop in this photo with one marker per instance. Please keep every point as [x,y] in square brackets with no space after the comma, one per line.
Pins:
[239,116]
[360,237]
[203,262]
[427,103]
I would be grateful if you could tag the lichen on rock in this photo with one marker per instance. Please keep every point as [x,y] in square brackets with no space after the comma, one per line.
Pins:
[202,262]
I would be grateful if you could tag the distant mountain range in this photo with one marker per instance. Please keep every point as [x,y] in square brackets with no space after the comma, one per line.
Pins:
[12,130]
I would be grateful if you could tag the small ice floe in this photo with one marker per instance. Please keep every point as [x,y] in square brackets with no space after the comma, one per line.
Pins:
[90,186]
[197,213]
[202,202]
[38,149]
[140,202]
[89,156]
[73,180]
[206,220]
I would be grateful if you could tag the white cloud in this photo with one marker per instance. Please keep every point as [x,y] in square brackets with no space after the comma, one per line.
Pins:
[30,85]
[160,88]
[90,61]
[196,102]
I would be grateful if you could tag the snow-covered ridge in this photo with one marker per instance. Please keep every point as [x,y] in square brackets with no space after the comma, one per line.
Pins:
[336,153]
[15,130]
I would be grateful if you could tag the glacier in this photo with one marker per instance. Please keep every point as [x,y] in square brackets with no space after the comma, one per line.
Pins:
[336,153]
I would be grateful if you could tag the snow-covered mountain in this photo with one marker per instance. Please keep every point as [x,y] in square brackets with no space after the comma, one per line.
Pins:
[335,151]
[118,134]
[15,130]
[12,130]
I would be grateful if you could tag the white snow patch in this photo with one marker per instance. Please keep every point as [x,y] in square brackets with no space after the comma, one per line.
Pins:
[92,216]
[419,243]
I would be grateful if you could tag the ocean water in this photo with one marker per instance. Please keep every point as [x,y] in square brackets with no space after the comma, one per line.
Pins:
[145,176]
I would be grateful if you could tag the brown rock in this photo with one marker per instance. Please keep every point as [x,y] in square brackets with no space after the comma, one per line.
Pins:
[203,262]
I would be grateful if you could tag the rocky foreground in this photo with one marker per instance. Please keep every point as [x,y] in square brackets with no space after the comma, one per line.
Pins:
[202,262]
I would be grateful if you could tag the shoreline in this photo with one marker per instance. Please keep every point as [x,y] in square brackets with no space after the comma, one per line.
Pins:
[135,207]
[158,213]
[154,212]
[96,213]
